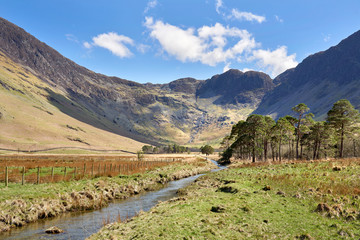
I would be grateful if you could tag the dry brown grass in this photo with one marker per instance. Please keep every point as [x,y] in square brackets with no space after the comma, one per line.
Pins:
[55,168]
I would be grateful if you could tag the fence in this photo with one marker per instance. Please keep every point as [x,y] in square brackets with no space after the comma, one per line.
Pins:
[21,171]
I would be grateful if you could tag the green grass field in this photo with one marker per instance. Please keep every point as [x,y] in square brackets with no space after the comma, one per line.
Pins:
[317,200]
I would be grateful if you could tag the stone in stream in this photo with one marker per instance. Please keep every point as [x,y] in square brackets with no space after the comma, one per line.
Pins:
[54,230]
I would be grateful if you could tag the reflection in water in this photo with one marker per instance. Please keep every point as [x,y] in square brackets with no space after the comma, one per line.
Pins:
[80,225]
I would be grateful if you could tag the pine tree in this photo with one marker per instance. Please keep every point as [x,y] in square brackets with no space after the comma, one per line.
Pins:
[300,109]
[342,117]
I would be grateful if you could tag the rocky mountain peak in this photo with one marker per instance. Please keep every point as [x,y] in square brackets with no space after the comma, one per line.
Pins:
[318,81]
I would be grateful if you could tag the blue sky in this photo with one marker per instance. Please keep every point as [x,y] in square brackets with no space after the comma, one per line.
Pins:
[162,40]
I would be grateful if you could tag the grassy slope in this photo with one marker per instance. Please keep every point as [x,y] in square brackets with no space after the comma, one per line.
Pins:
[286,211]
[29,121]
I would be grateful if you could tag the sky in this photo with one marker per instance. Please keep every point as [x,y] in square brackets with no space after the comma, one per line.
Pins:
[159,41]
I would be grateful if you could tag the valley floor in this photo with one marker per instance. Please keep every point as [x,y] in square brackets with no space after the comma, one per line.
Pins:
[22,204]
[303,200]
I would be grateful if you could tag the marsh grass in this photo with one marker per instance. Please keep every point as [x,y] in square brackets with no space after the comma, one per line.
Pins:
[289,210]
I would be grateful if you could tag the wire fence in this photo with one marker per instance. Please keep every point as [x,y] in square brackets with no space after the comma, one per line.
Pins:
[49,169]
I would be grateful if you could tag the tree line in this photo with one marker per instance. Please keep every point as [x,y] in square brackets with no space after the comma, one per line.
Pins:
[295,137]
[171,148]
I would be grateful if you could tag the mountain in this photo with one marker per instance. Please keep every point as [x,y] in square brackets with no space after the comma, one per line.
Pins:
[31,118]
[234,87]
[183,111]
[318,81]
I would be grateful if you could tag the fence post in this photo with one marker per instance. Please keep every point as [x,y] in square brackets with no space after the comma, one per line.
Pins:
[92,170]
[84,169]
[104,169]
[110,167]
[23,176]
[65,174]
[38,176]
[52,174]
[6,176]
[75,172]
[99,169]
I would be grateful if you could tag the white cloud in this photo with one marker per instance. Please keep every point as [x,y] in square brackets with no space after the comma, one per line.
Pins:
[247,16]
[219,4]
[279,19]
[151,4]
[113,42]
[143,48]
[71,38]
[206,44]
[246,70]
[212,45]
[87,45]
[327,37]
[226,67]
[276,61]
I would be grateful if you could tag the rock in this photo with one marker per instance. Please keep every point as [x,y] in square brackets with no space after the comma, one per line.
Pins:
[100,184]
[246,209]
[280,193]
[322,207]
[343,233]
[54,230]
[350,218]
[337,210]
[218,209]
[266,188]
[305,237]
[4,227]
[337,169]
[228,181]
[227,190]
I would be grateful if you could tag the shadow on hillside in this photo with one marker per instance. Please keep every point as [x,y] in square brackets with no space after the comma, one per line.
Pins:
[81,113]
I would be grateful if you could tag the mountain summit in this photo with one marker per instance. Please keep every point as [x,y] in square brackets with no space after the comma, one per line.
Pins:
[318,81]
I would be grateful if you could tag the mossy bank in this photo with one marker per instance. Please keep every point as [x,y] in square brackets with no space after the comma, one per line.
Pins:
[23,204]
[318,200]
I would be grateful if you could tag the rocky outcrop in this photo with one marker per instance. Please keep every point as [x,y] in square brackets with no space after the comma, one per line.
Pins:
[234,86]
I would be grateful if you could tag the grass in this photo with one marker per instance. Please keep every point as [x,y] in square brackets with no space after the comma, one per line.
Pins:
[257,202]
[21,204]
[79,166]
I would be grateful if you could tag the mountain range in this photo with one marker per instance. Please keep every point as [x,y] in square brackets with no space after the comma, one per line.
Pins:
[47,87]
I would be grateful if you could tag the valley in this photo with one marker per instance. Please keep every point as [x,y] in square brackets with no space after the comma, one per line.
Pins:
[74,142]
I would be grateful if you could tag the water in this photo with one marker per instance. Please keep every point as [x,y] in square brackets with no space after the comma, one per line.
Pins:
[80,225]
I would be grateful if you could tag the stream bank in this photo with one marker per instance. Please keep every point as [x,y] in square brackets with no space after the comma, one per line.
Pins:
[295,200]
[30,203]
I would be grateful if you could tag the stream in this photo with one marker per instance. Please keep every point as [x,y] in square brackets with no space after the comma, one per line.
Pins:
[80,225]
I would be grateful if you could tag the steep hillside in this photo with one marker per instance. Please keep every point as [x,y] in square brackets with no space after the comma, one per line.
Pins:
[31,116]
[235,87]
[183,111]
[319,81]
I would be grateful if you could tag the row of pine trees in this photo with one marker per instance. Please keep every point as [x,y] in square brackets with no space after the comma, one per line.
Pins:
[295,137]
